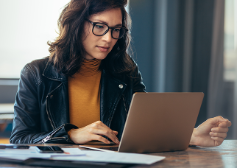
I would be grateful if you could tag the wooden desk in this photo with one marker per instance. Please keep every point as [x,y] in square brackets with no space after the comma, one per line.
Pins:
[214,157]
[224,155]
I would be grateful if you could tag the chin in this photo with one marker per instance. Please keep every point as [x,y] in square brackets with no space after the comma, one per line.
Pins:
[101,57]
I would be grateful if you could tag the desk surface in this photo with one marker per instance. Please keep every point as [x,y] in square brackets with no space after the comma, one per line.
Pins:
[224,155]
[221,156]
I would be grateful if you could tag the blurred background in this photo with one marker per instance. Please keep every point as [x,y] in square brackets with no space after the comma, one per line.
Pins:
[179,45]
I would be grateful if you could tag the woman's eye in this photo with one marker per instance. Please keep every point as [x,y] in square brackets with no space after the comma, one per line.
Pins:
[117,29]
[99,26]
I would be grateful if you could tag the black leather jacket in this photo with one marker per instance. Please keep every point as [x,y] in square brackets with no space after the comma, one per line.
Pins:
[42,110]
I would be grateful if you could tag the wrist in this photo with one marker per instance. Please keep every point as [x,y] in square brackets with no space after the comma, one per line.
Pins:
[193,140]
[70,133]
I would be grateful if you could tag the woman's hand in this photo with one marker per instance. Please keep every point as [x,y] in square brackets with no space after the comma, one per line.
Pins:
[94,131]
[212,132]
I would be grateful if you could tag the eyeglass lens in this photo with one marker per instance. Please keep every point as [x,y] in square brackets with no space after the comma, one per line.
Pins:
[101,29]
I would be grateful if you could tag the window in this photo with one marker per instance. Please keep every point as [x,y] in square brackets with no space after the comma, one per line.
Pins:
[230,49]
[26,26]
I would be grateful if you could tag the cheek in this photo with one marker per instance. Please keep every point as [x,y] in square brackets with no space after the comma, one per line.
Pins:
[90,41]
[87,40]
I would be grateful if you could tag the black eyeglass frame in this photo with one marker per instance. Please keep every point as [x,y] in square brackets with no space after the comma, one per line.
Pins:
[112,29]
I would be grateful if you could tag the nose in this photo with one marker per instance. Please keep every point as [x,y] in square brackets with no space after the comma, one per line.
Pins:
[107,37]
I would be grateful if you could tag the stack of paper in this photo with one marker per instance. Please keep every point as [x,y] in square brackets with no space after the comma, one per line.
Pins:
[115,157]
[23,154]
[75,154]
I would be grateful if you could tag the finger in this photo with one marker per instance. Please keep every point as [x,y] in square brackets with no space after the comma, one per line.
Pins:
[220,129]
[226,123]
[217,140]
[107,132]
[115,132]
[221,135]
[216,120]
[99,127]
[99,138]
[102,126]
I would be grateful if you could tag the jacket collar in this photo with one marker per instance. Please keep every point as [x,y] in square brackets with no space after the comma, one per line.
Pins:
[111,93]
[51,72]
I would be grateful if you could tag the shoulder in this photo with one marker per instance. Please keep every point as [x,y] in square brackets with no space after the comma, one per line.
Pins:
[38,64]
[132,78]
[132,74]
[34,69]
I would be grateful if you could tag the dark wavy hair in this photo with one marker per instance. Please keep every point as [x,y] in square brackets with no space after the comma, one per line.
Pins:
[67,51]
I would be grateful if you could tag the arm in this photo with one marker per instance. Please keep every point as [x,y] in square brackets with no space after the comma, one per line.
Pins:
[27,122]
[212,132]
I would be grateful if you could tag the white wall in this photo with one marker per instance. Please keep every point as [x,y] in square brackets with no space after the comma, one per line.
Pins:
[25,28]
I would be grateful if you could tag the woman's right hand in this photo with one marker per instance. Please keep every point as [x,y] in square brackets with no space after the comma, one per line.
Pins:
[94,131]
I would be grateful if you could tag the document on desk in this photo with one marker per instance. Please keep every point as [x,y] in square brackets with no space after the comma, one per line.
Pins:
[115,157]
[75,154]
[23,154]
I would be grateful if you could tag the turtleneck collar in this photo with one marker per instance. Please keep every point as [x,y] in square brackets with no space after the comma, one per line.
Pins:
[89,67]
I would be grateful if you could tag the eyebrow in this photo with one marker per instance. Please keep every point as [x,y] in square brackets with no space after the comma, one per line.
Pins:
[97,20]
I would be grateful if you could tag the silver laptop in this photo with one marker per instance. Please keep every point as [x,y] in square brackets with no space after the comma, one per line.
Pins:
[158,122]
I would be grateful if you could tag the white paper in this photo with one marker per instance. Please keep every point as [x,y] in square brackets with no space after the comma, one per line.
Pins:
[68,152]
[78,155]
[115,157]
[31,151]
[22,154]
[24,157]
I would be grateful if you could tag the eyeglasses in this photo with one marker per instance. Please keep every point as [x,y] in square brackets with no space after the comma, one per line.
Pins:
[100,29]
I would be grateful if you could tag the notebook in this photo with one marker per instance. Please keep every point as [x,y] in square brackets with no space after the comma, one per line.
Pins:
[158,122]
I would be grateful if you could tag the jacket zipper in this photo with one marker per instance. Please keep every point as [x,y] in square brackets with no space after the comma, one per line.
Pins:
[49,137]
[47,111]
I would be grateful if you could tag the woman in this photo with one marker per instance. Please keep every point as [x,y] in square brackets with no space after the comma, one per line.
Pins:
[83,90]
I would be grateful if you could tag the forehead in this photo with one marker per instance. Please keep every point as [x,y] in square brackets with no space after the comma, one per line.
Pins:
[112,17]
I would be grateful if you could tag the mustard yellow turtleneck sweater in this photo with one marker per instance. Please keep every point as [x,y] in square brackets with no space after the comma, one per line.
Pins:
[84,94]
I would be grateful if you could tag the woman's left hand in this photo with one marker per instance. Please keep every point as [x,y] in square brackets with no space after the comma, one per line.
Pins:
[212,132]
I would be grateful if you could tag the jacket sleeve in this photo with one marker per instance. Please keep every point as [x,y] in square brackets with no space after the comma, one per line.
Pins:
[27,120]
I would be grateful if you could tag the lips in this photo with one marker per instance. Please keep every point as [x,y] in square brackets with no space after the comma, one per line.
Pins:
[103,49]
